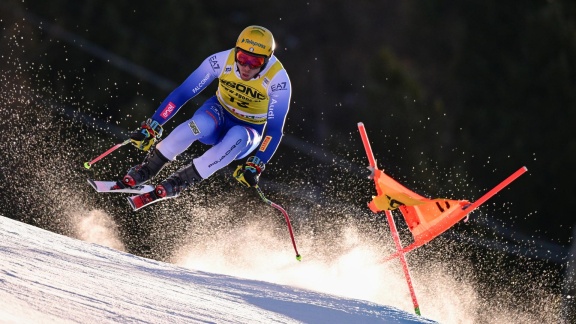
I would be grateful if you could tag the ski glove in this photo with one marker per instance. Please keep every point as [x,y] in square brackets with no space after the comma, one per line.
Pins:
[150,131]
[249,174]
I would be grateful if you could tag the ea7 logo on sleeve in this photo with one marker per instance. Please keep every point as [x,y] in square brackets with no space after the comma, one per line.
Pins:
[265,143]
[168,110]
[214,63]
[279,86]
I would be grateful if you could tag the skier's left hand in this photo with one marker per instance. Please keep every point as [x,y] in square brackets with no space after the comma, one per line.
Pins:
[249,173]
[150,131]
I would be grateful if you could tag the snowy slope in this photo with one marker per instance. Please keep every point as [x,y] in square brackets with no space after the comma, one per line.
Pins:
[50,278]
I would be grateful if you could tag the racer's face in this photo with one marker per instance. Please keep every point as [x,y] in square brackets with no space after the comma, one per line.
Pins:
[247,73]
[248,64]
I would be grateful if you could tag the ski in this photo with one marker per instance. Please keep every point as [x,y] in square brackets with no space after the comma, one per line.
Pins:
[106,186]
[145,199]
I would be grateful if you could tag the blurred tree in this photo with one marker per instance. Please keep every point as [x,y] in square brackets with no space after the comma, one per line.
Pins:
[482,85]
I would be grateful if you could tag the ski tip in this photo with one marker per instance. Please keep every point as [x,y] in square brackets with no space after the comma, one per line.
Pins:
[93,184]
[134,208]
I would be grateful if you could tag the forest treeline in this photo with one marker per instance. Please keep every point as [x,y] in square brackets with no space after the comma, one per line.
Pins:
[480,87]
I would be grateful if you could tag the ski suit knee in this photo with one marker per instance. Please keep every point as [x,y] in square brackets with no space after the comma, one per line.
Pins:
[211,124]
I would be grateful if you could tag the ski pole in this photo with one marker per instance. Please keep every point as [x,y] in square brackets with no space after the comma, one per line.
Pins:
[266,200]
[87,165]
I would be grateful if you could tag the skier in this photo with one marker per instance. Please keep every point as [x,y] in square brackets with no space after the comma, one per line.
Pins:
[253,93]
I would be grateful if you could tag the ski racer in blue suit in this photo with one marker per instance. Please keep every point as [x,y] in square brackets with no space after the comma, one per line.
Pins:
[253,94]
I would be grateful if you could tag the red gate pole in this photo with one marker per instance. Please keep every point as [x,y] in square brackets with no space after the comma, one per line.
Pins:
[402,258]
[393,230]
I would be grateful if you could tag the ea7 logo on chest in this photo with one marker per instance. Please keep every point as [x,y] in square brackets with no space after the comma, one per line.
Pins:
[242,88]
[279,86]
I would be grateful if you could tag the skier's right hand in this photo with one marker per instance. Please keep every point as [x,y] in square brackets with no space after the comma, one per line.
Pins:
[149,132]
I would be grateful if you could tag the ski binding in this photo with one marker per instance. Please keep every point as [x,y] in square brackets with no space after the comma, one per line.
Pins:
[106,186]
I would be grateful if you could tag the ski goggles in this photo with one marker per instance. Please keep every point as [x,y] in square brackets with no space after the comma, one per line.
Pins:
[245,59]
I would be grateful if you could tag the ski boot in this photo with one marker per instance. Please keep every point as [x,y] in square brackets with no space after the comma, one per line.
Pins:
[169,188]
[177,182]
[151,166]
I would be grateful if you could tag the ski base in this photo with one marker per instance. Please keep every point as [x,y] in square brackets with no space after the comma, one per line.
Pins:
[106,186]
[145,199]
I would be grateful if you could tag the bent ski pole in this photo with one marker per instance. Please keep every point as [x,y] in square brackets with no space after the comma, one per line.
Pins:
[266,200]
[87,165]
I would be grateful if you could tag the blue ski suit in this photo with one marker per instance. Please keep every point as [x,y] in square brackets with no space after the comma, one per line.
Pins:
[234,120]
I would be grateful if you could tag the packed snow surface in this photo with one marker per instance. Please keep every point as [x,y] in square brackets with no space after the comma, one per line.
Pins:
[50,278]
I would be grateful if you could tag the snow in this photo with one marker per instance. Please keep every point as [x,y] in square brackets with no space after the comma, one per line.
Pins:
[50,278]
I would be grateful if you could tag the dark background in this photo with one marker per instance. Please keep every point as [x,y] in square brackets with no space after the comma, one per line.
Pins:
[482,86]
[455,96]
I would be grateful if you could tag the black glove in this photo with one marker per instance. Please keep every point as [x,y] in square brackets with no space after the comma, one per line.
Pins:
[150,131]
[249,173]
